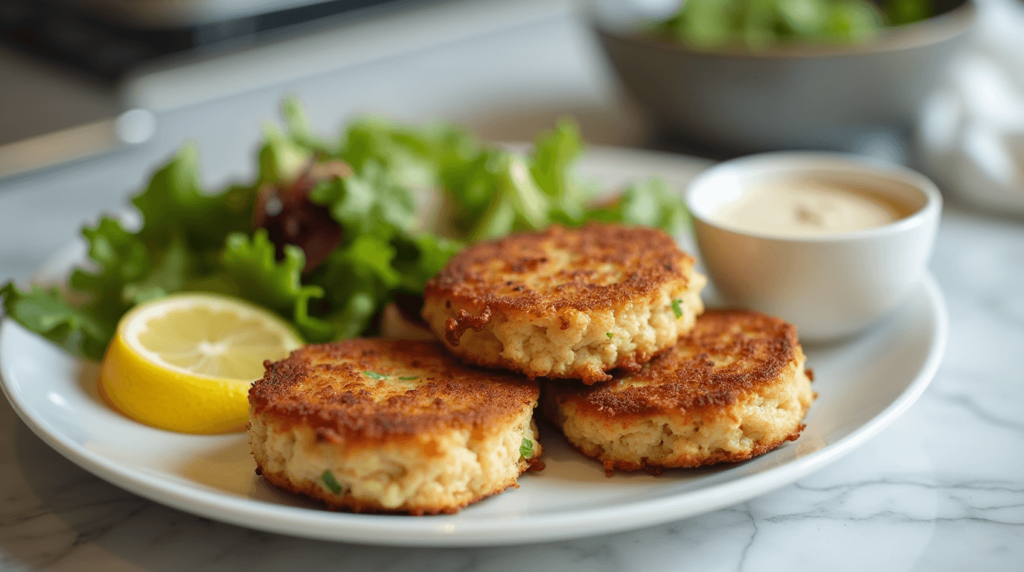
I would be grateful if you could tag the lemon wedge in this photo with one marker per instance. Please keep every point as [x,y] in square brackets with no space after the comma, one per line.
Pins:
[185,362]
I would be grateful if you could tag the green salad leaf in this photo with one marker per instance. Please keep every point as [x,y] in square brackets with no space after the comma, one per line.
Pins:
[298,131]
[498,191]
[554,155]
[168,274]
[764,24]
[411,157]
[177,248]
[174,205]
[358,279]
[516,202]
[368,202]
[419,258]
[284,154]
[902,12]
[653,203]
[48,313]
[121,260]
[190,239]
[255,275]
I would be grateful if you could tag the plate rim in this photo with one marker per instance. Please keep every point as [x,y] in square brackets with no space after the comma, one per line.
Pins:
[436,532]
[404,531]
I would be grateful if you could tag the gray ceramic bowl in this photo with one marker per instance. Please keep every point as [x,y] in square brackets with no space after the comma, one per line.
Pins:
[795,97]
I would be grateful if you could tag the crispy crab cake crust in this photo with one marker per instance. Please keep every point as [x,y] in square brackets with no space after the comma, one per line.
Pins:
[566,303]
[400,426]
[733,388]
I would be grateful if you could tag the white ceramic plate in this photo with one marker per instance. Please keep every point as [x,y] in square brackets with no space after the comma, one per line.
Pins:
[863,386]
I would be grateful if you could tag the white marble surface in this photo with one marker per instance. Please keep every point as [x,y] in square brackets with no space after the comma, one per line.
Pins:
[941,489]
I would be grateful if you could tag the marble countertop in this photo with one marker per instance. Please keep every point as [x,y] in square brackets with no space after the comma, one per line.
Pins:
[940,489]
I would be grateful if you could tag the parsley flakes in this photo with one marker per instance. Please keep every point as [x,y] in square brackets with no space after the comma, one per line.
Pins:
[677,308]
[374,375]
[526,449]
[331,482]
[609,334]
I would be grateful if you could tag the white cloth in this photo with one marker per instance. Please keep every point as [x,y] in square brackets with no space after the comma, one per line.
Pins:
[971,133]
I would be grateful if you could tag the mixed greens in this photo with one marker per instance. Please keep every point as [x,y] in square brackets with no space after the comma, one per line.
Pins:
[762,24]
[329,231]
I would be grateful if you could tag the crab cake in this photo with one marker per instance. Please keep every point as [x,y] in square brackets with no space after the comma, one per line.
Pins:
[733,388]
[373,425]
[566,303]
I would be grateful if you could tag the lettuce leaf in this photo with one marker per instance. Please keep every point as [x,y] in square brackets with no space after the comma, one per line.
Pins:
[379,254]
[496,191]
[420,258]
[178,247]
[646,203]
[280,158]
[121,259]
[298,131]
[358,279]
[173,204]
[191,240]
[254,275]
[653,203]
[169,273]
[516,202]
[554,155]
[48,313]
[284,154]
[407,156]
[367,202]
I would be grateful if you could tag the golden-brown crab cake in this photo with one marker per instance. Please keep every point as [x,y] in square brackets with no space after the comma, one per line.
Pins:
[733,388]
[372,425]
[566,303]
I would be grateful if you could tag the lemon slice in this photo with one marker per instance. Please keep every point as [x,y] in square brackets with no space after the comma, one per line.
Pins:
[185,362]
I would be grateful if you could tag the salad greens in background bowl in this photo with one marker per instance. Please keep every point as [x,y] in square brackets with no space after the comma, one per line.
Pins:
[739,76]
[330,231]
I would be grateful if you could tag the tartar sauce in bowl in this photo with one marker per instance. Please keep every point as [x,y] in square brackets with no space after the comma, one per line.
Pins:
[809,206]
[831,243]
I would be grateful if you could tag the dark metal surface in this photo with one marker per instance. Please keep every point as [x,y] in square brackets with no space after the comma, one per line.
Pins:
[108,50]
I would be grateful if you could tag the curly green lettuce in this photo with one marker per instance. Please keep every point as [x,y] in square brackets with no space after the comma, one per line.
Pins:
[193,240]
[178,247]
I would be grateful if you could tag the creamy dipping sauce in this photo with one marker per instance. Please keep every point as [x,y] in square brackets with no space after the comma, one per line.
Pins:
[804,207]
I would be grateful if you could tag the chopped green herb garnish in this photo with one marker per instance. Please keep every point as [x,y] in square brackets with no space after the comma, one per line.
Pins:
[410,378]
[374,375]
[331,482]
[677,308]
[609,334]
[526,449]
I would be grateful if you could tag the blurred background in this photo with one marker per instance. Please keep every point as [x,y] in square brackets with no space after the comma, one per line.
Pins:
[936,84]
